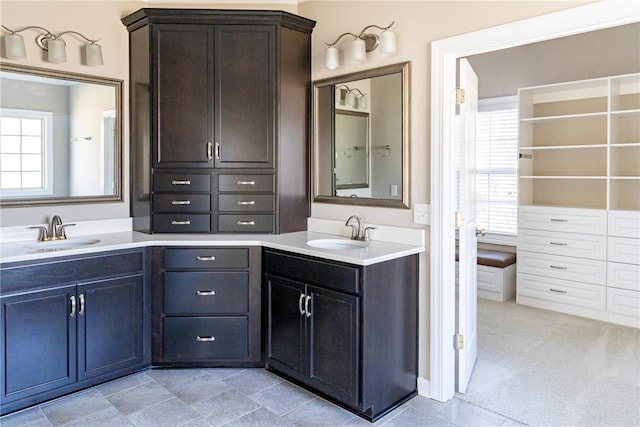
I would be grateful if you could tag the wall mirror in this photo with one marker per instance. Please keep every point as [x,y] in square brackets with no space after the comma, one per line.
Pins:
[361,138]
[60,137]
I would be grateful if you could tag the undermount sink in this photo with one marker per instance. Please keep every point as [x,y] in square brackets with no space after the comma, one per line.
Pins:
[61,244]
[337,244]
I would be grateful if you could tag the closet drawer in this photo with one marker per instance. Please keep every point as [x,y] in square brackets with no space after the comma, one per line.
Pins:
[623,301]
[183,182]
[245,203]
[565,244]
[624,224]
[565,220]
[206,292]
[183,203]
[182,223]
[624,276]
[200,338]
[245,183]
[563,291]
[245,223]
[624,250]
[561,267]
[206,258]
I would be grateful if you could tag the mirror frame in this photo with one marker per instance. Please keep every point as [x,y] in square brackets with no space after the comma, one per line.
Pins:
[404,69]
[83,78]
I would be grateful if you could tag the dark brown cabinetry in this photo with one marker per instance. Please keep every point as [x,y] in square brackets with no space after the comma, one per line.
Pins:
[346,331]
[206,307]
[221,94]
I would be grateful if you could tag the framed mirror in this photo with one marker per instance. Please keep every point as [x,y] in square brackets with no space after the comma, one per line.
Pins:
[60,137]
[361,138]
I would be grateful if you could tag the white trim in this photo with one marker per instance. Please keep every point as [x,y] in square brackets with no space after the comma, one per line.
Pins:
[444,53]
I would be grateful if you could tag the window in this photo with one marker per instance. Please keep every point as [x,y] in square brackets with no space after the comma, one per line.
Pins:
[25,147]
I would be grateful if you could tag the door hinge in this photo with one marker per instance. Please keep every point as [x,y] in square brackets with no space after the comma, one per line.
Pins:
[458,341]
[458,219]
[459,96]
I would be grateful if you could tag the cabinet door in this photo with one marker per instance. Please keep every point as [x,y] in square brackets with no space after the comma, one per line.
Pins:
[109,325]
[245,96]
[38,344]
[333,329]
[183,107]
[285,326]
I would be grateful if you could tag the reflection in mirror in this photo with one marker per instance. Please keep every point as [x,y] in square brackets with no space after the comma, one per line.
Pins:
[361,139]
[60,137]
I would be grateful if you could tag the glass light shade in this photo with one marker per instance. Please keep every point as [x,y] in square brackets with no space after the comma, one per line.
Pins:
[387,43]
[93,55]
[358,52]
[331,58]
[362,102]
[56,51]
[14,47]
[351,100]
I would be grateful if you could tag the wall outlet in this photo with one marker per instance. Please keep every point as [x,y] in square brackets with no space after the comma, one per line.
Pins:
[421,213]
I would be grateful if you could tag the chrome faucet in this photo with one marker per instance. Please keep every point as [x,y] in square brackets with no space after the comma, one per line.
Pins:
[56,230]
[355,229]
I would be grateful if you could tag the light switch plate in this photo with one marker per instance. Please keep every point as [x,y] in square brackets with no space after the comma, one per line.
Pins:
[421,213]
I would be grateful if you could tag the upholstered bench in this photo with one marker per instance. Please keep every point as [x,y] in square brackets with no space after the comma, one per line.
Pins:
[496,274]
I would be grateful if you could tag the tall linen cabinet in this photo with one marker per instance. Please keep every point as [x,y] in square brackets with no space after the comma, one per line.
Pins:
[220,120]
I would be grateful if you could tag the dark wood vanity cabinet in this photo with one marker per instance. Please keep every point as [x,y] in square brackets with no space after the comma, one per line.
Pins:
[219,93]
[206,307]
[346,331]
[70,324]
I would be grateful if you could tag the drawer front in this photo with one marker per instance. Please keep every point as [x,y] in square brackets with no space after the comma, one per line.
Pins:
[314,271]
[206,258]
[245,183]
[182,223]
[624,250]
[181,203]
[245,203]
[624,224]
[489,279]
[565,244]
[622,301]
[206,292]
[202,338]
[245,223]
[181,183]
[587,221]
[560,267]
[563,291]
[624,276]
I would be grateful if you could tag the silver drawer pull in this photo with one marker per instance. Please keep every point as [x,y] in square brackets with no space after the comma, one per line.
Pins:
[248,202]
[246,223]
[205,339]
[557,267]
[180,222]
[557,244]
[246,183]
[300,304]
[558,291]
[205,258]
[181,182]
[72,313]
[558,220]
[181,202]
[206,293]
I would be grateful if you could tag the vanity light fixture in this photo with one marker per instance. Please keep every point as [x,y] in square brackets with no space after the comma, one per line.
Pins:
[53,43]
[352,97]
[362,43]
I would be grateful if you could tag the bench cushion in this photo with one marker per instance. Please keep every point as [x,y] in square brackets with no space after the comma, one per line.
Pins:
[491,258]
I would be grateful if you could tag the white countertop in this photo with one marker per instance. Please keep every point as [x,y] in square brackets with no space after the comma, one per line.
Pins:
[375,252]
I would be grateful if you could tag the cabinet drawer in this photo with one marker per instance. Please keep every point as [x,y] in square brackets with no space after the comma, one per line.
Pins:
[624,276]
[182,223]
[624,250]
[182,203]
[179,183]
[202,338]
[206,258]
[563,291]
[245,223]
[623,301]
[560,267]
[245,183]
[624,224]
[206,292]
[326,274]
[565,244]
[587,221]
[489,279]
[245,203]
